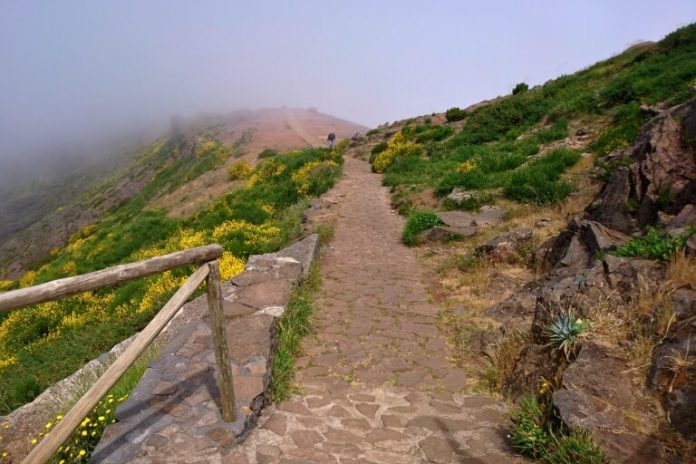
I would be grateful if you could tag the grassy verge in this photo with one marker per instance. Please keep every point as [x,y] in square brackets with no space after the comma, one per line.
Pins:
[80,445]
[292,327]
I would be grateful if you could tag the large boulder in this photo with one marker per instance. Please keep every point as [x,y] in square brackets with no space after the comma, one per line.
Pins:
[598,395]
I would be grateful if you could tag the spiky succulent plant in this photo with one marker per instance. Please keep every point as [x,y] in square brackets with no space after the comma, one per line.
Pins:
[565,331]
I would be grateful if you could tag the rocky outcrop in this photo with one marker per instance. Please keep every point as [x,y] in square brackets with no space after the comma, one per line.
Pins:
[596,397]
[654,185]
[658,173]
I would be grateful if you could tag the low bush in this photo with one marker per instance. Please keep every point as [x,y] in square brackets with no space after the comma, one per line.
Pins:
[372,132]
[417,222]
[397,146]
[239,170]
[455,114]
[655,244]
[520,88]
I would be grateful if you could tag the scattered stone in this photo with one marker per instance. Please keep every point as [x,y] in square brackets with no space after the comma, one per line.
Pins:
[507,246]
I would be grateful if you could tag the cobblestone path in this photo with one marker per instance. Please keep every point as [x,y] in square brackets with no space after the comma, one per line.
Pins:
[376,383]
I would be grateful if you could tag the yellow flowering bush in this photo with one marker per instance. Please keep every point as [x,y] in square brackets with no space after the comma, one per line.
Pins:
[28,279]
[397,146]
[205,146]
[230,266]
[5,284]
[467,166]
[239,170]
[254,235]
[312,172]
[266,170]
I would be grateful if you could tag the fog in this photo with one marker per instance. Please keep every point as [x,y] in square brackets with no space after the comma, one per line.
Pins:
[75,74]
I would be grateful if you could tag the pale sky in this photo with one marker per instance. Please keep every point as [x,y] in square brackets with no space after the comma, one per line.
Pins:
[71,69]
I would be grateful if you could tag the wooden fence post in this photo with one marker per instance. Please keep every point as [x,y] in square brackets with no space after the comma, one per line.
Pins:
[222,354]
[72,419]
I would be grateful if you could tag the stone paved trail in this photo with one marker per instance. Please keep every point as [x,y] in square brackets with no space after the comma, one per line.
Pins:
[376,383]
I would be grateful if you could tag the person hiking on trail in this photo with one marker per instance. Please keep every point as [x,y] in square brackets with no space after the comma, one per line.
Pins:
[330,139]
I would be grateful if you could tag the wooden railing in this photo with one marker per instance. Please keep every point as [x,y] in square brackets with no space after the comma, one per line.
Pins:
[206,255]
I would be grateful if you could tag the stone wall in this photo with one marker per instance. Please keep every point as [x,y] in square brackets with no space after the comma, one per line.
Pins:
[175,408]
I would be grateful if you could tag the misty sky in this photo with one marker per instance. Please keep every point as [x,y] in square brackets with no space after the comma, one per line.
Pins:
[70,69]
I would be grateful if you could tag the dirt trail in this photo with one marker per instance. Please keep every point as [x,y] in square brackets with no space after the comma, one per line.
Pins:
[376,383]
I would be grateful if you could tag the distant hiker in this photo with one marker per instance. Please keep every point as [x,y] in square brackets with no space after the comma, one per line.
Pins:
[330,139]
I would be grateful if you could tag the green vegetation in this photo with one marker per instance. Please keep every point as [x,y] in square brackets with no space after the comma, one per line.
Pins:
[537,434]
[293,325]
[565,331]
[372,132]
[455,114]
[45,343]
[496,149]
[519,88]
[239,170]
[655,244]
[417,222]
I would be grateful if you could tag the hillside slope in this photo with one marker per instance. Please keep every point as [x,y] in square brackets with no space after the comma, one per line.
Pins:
[42,217]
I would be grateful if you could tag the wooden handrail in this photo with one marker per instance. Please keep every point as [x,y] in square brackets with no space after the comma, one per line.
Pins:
[106,278]
[115,275]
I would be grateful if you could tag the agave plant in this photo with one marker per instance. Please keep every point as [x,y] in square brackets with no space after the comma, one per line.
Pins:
[565,331]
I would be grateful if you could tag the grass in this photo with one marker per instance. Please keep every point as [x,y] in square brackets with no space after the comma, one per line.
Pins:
[292,327]
[502,358]
[326,233]
[538,434]
[81,443]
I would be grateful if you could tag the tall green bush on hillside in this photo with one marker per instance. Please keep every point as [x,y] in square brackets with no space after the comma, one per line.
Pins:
[455,114]
[519,88]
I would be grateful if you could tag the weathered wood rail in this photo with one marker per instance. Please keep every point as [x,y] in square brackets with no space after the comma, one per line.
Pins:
[57,289]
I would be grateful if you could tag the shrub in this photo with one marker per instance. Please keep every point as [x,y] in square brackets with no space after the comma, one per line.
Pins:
[455,114]
[520,88]
[396,147]
[655,244]
[239,170]
[377,149]
[315,177]
[417,222]
[372,132]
